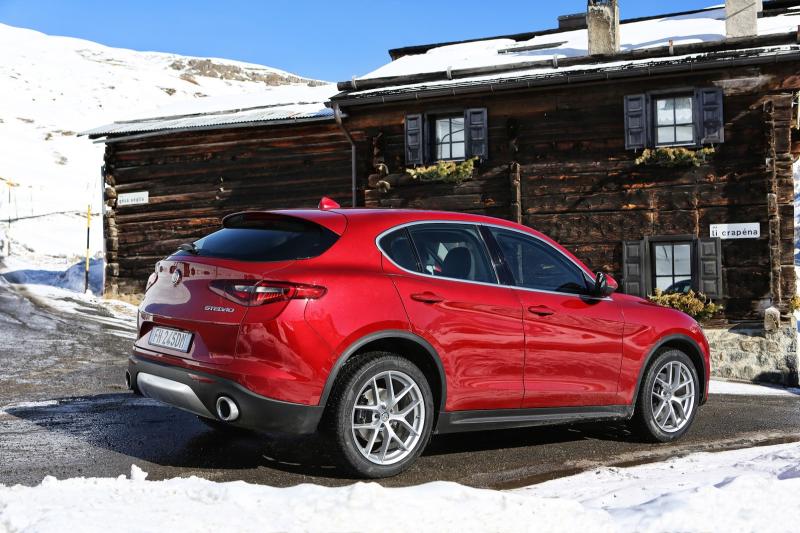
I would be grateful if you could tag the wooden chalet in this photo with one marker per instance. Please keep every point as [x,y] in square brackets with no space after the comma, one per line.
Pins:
[660,150]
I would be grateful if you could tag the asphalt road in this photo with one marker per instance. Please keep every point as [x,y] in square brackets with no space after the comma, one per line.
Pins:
[83,422]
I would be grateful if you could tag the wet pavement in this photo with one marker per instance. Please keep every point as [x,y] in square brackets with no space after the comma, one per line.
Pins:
[67,414]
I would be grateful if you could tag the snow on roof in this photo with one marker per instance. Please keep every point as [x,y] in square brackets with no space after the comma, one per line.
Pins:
[573,73]
[280,104]
[554,57]
[705,26]
[281,113]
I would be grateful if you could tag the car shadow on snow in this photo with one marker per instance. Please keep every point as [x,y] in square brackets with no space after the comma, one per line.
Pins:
[150,431]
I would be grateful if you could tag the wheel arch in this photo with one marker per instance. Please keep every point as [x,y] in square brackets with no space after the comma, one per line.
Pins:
[683,343]
[404,343]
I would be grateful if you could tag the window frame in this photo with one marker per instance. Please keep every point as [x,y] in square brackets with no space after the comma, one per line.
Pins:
[650,267]
[655,97]
[654,276]
[433,120]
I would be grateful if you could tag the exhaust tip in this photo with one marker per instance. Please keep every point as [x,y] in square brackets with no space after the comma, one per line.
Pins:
[227,410]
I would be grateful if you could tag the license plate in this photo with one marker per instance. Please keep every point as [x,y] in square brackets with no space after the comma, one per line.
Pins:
[171,338]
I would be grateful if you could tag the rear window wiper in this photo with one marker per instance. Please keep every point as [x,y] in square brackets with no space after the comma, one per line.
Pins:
[189,247]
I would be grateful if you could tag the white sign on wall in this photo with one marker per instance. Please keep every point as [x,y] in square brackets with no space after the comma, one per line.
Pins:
[748,230]
[133,198]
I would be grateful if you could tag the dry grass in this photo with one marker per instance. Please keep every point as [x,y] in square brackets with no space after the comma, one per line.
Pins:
[133,299]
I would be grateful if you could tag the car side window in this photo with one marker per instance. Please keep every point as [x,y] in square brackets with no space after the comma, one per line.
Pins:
[397,245]
[452,251]
[537,265]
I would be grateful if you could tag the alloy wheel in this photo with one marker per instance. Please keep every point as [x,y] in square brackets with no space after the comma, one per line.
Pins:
[672,397]
[388,418]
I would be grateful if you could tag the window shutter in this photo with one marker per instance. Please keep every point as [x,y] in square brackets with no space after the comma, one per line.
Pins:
[709,267]
[476,126]
[633,268]
[710,122]
[635,122]
[414,139]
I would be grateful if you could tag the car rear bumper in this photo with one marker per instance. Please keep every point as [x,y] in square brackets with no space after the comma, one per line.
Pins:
[197,392]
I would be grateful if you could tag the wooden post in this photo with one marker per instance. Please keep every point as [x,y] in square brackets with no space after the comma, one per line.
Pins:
[516,192]
[88,247]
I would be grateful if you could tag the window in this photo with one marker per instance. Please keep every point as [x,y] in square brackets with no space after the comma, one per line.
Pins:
[452,251]
[398,247]
[446,136]
[537,265]
[673,266]
[674,121]
[681,118]
[279,238]
[449,142]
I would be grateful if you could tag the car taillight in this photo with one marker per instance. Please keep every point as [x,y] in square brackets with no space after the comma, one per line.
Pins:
[253,293]
[151,281]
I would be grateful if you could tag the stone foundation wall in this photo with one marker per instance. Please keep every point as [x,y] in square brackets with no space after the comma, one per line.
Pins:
[750,352]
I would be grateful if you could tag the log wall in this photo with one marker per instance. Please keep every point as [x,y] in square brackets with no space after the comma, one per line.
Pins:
[194,179]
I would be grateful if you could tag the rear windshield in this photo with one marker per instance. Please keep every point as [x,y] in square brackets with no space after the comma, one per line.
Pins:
[282,239]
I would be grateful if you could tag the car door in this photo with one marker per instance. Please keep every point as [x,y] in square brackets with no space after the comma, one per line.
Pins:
[573,341]
[451,294]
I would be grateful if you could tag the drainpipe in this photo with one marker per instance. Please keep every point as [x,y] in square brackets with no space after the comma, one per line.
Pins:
[337,113]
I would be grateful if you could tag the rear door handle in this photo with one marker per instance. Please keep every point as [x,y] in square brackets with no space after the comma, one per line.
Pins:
[540,310]
[427,297]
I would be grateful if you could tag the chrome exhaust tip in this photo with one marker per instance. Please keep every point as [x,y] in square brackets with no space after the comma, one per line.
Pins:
[227,410]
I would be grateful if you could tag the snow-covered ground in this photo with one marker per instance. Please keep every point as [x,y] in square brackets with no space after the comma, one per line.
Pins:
[749,389]
[756,489]
[52,88]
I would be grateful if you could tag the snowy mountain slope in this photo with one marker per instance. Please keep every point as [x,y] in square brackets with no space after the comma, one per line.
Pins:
[54,87]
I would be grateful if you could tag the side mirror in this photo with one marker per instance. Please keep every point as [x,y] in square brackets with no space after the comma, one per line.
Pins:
[604,285]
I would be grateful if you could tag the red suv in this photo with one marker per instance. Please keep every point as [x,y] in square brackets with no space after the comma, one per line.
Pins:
[382,327]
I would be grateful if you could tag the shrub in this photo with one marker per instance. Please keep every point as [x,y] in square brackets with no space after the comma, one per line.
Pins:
[697,305]
[675,157]
[446,171]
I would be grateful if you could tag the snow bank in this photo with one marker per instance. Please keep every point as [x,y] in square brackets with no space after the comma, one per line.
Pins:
[195,504]
[756,489]
[749,389]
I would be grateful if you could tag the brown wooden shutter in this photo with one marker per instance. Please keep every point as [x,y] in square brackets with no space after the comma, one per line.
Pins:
[476,127]
[633,268]
[709,267]
[710,121]
[415,139]
[636,122]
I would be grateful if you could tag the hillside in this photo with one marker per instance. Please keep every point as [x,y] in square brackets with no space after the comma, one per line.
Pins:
[55,87]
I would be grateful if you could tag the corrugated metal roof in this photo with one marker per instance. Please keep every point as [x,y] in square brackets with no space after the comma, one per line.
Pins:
[244,117]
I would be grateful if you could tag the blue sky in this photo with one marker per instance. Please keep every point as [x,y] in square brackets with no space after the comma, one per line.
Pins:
[325,40]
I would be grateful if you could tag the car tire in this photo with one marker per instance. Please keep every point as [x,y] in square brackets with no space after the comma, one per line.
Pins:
[362,417]
[668,398]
